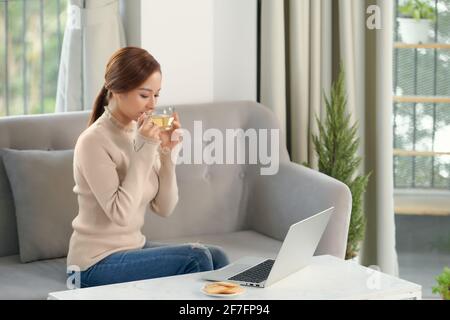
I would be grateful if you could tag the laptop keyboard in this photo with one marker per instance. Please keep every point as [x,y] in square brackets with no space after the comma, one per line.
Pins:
[256,274]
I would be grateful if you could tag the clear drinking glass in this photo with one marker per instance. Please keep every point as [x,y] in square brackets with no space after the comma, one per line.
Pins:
[163,117]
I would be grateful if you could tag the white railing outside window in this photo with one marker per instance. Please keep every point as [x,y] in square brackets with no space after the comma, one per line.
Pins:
[422,106]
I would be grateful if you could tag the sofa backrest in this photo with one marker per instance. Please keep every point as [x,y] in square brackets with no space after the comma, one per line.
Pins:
[213,197]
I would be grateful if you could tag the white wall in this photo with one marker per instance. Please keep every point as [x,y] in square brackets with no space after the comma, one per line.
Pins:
[235,50]
[207,48]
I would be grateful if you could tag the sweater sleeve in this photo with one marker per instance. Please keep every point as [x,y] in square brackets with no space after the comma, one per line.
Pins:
[118,199]
[167,197]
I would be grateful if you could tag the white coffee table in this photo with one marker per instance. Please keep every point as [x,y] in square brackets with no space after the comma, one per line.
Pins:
[327,277]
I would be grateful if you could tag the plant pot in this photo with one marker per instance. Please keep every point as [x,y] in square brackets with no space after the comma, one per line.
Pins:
[414,31]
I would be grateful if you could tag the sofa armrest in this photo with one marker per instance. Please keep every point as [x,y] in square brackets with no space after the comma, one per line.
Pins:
[295,193]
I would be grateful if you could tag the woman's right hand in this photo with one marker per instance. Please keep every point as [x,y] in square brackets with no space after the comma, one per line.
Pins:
[147,128]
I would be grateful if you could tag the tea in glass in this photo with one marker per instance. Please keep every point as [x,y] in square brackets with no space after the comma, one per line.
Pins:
[163,117]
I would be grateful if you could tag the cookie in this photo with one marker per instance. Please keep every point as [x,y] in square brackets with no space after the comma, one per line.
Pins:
[226,284]
[215,289]
[223,288]
[233,290]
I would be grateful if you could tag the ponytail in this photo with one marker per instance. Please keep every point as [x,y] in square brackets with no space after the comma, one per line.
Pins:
[99,105]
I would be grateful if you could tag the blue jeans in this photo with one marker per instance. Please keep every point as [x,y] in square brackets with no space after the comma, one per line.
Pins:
[154,260]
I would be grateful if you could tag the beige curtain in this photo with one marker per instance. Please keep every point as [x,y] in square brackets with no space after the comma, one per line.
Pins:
[93,32]
[302,42]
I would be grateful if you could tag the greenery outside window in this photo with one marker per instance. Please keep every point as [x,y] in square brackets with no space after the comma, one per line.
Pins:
[31,35]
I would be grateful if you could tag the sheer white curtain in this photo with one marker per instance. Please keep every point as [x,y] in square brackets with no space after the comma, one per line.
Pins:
[302,43]
[93,32]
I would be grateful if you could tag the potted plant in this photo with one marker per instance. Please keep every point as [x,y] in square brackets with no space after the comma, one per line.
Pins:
[415,20]
[336,147]
[443,284]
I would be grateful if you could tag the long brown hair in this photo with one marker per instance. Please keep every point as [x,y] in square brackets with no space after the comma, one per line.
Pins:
[126,70]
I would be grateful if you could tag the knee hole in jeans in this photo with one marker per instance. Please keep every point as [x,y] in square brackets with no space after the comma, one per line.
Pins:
[202,257]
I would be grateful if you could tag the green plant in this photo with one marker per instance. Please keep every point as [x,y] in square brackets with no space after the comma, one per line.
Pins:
[417,9]
[336,147]
[443,284]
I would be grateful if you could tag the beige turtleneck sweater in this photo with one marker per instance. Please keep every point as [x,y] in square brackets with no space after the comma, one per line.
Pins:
[118,174]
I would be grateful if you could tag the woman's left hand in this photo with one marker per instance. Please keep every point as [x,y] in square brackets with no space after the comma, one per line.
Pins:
[165,136]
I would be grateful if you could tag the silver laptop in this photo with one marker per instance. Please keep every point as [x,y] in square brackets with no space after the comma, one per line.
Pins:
[296,252]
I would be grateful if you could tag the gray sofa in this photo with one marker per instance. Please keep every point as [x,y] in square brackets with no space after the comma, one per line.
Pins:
[229,205]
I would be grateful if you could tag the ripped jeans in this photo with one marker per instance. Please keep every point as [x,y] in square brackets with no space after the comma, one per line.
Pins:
[154,260]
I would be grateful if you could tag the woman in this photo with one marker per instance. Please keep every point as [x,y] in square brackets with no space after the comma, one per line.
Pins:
[122,164]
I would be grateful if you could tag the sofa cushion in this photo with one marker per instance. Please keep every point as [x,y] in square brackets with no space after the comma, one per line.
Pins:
[31,280]
[42,186]
[8,228]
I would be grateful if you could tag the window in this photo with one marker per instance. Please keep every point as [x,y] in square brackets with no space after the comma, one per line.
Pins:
[30,45]
[422,107]
[422,148]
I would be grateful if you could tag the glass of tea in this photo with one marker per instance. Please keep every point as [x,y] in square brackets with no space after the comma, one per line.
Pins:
[163,117]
